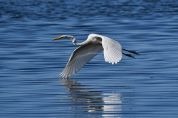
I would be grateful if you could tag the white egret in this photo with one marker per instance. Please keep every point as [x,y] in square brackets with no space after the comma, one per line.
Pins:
[87,49]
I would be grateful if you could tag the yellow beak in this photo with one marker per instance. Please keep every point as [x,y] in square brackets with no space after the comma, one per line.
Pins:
[59,38]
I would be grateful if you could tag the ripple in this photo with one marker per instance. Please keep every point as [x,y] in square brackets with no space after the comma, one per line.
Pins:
[30,61]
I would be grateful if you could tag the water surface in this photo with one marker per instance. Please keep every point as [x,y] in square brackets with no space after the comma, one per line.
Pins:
[30,61]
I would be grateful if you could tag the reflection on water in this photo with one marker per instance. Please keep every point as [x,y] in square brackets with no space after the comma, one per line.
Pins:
[89,100]
[80,95]
[30,61]
[112,105]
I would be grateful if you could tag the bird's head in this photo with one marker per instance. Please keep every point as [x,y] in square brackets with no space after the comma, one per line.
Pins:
[70,37]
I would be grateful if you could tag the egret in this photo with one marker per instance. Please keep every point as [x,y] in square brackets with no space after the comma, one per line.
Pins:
[89,48]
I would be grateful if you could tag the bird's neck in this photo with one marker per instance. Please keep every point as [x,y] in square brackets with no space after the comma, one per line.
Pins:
[74,41]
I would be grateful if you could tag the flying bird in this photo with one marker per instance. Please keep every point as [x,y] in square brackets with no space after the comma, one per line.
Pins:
[89,48]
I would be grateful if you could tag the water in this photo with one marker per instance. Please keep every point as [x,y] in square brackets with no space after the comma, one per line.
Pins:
[30,61]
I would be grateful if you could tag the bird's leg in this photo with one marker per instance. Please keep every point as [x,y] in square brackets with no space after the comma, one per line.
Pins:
[131,51]
[129,55]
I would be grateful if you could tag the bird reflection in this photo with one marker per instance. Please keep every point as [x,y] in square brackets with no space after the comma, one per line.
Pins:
[90,100]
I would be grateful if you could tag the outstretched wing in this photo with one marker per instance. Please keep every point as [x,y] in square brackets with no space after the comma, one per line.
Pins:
[80,57]
[112,50]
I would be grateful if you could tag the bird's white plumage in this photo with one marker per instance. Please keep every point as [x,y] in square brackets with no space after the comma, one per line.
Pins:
[88,49]
[112,50]
[79,58]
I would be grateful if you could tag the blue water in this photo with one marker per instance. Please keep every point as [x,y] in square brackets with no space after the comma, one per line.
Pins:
[30,61]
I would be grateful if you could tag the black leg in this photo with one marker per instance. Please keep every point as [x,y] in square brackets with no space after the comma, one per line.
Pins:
[129,55]
[131,51]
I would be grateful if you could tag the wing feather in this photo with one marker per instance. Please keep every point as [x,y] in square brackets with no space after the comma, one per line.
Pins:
[83,54]
[112,50]
[80,57]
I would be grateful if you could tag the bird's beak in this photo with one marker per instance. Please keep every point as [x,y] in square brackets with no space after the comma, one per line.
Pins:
[59,38]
